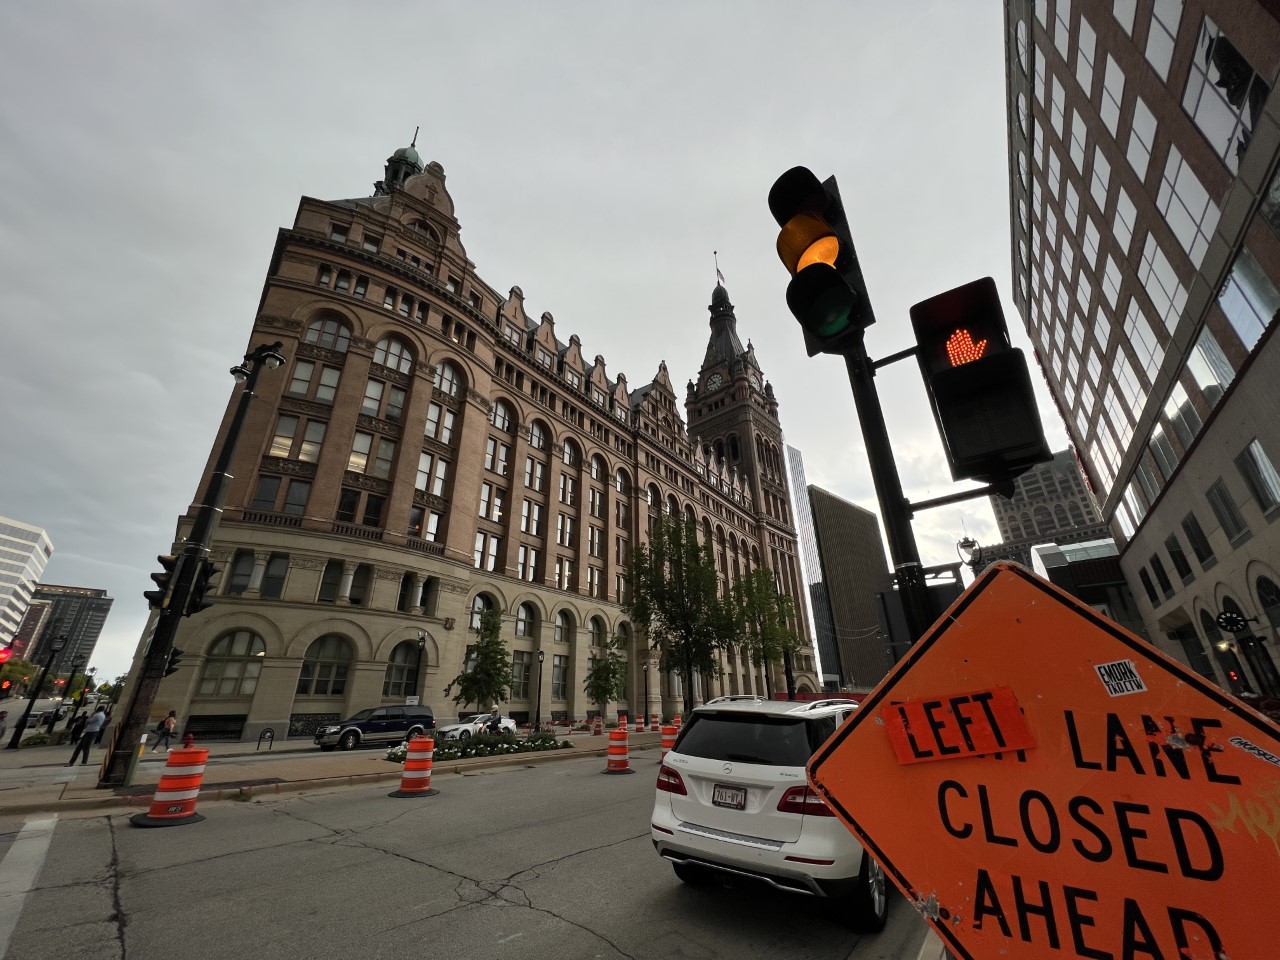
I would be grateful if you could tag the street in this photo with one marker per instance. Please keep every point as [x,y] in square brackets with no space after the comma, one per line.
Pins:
[528,862]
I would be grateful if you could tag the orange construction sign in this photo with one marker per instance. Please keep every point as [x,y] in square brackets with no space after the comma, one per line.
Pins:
[1042,784]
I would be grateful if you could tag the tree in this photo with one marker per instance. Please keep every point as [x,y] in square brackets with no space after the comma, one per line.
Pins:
[675,599]
[766,617]
[607,675]
[486,675]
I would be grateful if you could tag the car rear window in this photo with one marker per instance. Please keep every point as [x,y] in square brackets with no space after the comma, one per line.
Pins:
[753,738]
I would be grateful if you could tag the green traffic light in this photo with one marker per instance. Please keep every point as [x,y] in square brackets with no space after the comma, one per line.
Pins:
[821,300]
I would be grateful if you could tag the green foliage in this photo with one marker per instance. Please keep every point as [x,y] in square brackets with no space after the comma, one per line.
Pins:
[764,618]
[607,675]
[675,598]
[486,675]
[482,745]
[35,740]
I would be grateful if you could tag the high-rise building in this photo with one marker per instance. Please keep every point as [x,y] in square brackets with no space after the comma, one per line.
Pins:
[430,451]
[1050,504]
[35,621]
[24,552]
[821,622]
[79,614]
[1143,145]
[854,569]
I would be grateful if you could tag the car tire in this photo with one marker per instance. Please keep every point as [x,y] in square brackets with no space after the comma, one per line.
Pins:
[464,736]
[415,732]
[865,907]
[691,873]
[349,740]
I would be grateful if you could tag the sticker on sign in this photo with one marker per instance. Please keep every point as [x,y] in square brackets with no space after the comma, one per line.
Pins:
[1049,785]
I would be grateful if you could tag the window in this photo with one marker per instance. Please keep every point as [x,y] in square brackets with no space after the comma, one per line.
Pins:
[493,501]
[439,477]
[564,627]
[527,563]
[338,232]
[295,502]
[521,668]
[233,665]
[361,287]
[564,530]
[362,446]
[344,282]
[1141,138]
[325,275]
[597,632]
[401,679]
[595,537]
[440,423]
[537,436]
[564,573]
[1259,475]
[325,667]
[1185,203]
[1124,11]
[559,677]
[393,354]
[1162,578]
[531,518]
[1148,587]
[447,381]
[545,357]
[569,454]
[568,490]
[1164,28]
[325,388]
[372,405]
[282,442]
[1084,57]
[1112,95]
[1248,299]
[1180,565]
[485,556]
[534,474]
[1224,95]
[389,298]
[480,604]
[622,514]
[526,621]
[595,502]
[500,416]
[496,456]
[594,579]
[1062,27]
[1224,508]
[241,573]
[574,379]
[330,334]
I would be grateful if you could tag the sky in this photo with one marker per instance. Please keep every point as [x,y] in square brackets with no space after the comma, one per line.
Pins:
[597,153]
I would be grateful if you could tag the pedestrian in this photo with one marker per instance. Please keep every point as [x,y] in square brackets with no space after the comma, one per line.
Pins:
[105,722]
[77,727]
[4,722]
[164,730]
[91,729]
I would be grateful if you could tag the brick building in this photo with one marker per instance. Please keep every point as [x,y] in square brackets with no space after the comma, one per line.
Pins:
[429,451]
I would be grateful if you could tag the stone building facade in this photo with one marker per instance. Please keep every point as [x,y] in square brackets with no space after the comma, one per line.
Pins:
[429,451]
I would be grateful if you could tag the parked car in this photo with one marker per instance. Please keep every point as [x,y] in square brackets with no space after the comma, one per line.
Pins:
[475,724]
[377,725]
[733,799]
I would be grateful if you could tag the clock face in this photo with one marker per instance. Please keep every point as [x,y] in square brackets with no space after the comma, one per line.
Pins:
[755,379]
[714,381]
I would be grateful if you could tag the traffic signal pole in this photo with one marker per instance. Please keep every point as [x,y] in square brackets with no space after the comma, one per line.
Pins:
[895,511]
[194,556]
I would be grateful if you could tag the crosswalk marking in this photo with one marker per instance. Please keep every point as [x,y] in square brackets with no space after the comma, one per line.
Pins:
[19,870]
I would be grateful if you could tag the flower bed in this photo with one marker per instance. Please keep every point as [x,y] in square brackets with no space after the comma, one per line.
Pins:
[484,745]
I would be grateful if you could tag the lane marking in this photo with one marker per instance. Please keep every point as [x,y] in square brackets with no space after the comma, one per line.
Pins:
[19,870]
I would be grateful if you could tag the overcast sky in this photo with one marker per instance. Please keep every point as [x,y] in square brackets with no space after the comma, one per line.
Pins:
[597,154]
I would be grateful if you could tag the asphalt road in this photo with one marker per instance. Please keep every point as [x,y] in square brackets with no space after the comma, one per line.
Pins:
[548,862]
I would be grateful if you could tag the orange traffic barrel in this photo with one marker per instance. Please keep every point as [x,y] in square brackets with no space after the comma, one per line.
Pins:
[669,732]
[618,761]
[676,719]
[639,723]
[654,722]
[598,729]
[416,779]
[174,802]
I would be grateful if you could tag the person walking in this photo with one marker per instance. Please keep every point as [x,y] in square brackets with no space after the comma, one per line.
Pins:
[164,730]
[91,729]
[77,727]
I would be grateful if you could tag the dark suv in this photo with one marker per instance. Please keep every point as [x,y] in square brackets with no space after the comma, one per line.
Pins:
[377,725]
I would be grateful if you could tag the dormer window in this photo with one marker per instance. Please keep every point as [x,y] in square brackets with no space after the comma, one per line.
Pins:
[545,357]
[573,379]
[371,242]
[426,230]
[338,232]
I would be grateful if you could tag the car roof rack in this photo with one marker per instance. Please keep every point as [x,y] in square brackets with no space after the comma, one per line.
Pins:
[830,702]
[734,698]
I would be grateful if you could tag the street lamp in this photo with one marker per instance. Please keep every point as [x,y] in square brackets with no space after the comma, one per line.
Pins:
[969,551]
[537,712]
[191,568]
[76,663]
[644,668]
[55,648]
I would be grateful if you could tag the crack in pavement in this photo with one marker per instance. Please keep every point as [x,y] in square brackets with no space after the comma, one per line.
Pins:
[118,915]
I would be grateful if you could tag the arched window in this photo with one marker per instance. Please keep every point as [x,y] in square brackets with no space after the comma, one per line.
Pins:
[1044,520]
[233,664]
[570,455]
[733,447]
[1077,515]
[325,667]
[447,380]
[597,632]
[537,435]
[598,470]
[673,506]
[241,572]
[394,354]
[1060,516]
[526,620]
[653,497]
[564,627]
[401,679]
[622,482]
[500,416]
[426,230]
[1269,600]
[481,603]
[330,334]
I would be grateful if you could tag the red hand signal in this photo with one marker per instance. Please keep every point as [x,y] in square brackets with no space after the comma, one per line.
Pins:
[5,654]
[961,349]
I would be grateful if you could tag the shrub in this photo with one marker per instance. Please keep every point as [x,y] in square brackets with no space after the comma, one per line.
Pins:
[36,740]
[484,745]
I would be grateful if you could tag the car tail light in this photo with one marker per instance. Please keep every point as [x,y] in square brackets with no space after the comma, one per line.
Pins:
[670,782]
[804,800]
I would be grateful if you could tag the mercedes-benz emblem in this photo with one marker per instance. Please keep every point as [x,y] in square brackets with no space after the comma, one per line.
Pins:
[728,768]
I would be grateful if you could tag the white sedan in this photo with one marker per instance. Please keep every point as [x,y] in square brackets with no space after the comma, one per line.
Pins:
[472,726]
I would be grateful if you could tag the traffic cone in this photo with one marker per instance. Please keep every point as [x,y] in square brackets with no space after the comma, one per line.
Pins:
[598,729]
[416,779]
[174,803]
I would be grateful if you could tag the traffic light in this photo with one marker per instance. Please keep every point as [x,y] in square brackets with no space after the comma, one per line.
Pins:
[201,586]
[826,293]
[5,654]
[175,660]
[164,580]
[978,384]
[5,687]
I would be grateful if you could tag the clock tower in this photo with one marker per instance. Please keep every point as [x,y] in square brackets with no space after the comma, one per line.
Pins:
[733,421]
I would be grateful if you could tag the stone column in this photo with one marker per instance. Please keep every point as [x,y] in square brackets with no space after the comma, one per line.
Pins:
[255,578]
[344,587]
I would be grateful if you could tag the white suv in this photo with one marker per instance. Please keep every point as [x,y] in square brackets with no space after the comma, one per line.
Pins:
[733,798]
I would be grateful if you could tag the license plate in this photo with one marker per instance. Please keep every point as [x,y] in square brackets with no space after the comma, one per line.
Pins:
[733,797]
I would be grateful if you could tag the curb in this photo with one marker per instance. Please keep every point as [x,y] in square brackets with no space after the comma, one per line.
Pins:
[932,948]
[135,800]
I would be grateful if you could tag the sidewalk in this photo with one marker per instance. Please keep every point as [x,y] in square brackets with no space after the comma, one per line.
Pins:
[291,767]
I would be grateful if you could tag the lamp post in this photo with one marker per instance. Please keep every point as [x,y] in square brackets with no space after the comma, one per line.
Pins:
[970,552]
[76,663]
[418,681]
[193,562]
[55,648]
[537,712]
[644,668]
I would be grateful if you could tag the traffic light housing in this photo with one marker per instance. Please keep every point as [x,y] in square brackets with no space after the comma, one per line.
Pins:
[6,687]
[165,579]
[173,662]
[978,384]
[202,585]
[5,654]
[826,293]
